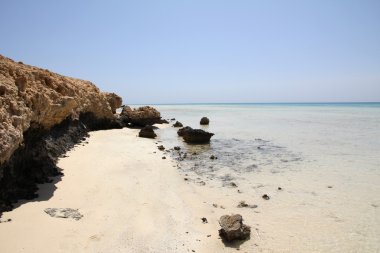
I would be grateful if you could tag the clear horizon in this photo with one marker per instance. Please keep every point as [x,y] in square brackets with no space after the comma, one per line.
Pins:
[172,52]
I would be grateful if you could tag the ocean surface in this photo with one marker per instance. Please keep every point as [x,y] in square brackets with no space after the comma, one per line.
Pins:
[325,158]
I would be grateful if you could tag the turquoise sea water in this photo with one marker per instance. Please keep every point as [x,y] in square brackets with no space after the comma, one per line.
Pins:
[326,156]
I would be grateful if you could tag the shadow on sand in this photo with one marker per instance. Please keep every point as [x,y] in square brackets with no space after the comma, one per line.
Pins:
[45,192]
[234,244]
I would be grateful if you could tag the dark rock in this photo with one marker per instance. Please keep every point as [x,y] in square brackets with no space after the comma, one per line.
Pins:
[243,204]
[204,121]
[147,132]
[212,157]
[204,220]
[279,188]
[197,136]
[177,148]
[178,124]
[233,228]
[161,147]
[163,157]
[181,131]
[232,184]
[266,197]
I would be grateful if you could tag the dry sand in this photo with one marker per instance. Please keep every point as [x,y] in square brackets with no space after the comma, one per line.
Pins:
[131,199]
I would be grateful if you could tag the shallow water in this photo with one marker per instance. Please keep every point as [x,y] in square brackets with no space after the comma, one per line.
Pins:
[325,157]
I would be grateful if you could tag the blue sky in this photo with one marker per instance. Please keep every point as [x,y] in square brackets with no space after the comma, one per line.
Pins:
[204,51]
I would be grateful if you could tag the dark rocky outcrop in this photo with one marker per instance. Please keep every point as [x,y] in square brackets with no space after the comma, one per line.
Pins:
[177,124]
[141,116]
[42,115]
[147,132]
[181,131]
[196,136]
[232,228]
[204,121]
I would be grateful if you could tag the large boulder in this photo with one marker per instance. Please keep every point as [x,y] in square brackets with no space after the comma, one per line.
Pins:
[141,116]
[147,132]
[232,228]
[204,121]
[196,136]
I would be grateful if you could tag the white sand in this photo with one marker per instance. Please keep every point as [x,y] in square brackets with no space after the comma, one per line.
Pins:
[132,201]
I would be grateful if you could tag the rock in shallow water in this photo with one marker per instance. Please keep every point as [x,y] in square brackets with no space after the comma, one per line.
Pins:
[196,136]
[233,228]
[204,121]
[178,124]
[181,131]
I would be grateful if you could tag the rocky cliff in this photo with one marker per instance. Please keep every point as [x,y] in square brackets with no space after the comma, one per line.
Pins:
[42,114]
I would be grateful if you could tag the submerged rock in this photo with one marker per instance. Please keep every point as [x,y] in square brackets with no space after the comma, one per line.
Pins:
[177,124]
[147,132]
[232,228]
[204,121]
[197,136]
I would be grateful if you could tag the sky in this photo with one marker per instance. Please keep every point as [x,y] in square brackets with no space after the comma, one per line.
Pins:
[198,51]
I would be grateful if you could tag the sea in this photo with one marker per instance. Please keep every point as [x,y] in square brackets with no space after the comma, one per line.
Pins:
[318,162]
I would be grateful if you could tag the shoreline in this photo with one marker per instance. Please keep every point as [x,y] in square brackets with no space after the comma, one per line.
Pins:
[130,198]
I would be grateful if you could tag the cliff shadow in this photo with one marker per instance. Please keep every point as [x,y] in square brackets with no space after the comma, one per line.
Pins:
[44,193]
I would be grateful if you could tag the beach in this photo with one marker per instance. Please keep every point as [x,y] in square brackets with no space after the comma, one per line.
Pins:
[133,200]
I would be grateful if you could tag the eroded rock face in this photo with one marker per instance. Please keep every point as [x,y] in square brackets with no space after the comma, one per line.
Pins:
[233,228]
[196,136]
[42,115]
[30,95]
[141,116]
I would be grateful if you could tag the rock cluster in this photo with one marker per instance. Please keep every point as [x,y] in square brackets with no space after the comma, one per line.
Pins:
[141,116]
[232,228]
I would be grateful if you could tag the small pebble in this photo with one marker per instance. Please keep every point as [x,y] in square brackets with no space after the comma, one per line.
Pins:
[266,197]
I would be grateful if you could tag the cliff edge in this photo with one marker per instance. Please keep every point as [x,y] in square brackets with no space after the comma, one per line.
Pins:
[42,114]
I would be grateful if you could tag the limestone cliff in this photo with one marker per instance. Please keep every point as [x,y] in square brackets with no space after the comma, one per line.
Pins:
[40,113]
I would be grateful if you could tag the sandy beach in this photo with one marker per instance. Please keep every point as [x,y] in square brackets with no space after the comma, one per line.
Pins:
[131,200]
